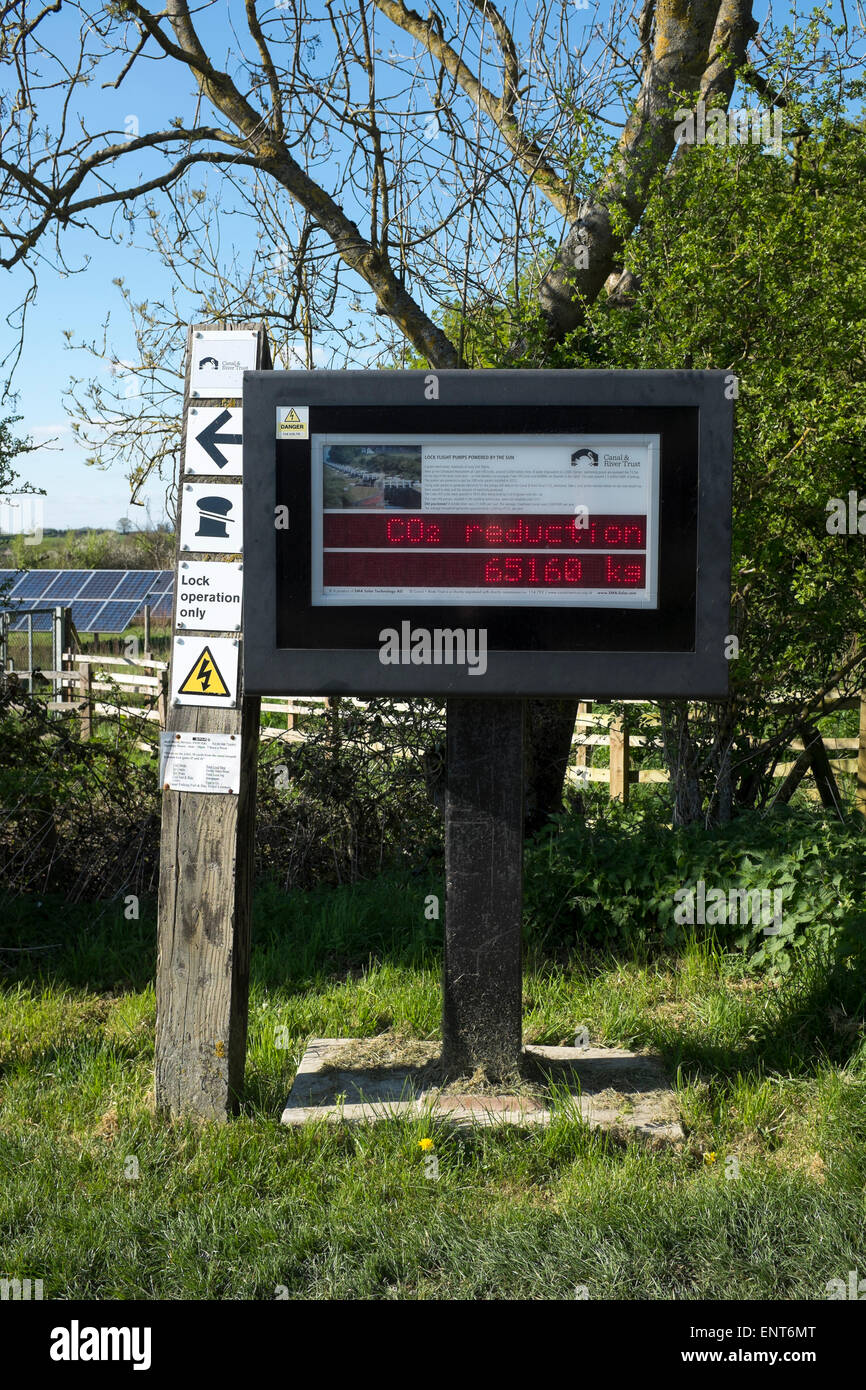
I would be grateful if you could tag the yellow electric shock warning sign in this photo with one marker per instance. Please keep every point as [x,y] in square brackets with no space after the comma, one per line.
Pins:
[204,671]
[204,678]
[293,422]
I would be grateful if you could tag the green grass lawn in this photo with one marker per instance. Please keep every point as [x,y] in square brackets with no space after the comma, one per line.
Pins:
[764,1201]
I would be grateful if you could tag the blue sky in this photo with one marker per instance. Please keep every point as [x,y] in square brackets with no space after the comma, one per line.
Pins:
[79,495]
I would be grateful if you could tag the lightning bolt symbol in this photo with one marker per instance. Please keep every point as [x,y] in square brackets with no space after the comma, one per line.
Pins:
[204,674]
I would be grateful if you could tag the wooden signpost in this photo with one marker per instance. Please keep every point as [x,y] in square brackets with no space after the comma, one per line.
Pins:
[206,847]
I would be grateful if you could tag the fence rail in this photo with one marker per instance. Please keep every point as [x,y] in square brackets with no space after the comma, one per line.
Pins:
[82,676]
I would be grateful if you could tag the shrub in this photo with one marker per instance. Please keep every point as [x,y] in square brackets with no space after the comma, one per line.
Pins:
[613,881]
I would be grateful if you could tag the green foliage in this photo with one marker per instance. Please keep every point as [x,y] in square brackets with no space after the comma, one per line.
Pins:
[350,797]
[757,265]
[81,819]
[613,882]
[12,447]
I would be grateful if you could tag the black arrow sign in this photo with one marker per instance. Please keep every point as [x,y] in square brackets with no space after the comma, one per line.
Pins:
[210,438]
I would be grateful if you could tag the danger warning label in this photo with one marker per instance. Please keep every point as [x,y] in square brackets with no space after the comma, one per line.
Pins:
[293,422]
[204,678]
[204,671]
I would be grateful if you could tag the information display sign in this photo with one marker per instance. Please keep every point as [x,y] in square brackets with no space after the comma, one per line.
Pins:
[510,533]
[568,519]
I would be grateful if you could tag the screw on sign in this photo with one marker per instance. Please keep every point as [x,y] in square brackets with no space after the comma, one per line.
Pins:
[205,671]
[214,436]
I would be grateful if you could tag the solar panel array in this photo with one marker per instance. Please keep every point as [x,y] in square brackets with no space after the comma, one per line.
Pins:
[101,600]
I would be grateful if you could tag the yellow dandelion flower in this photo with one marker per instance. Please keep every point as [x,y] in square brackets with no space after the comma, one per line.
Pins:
[425,1144]
[710,1157]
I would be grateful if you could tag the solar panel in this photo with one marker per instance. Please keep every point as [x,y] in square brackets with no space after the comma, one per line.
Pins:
[34,583]
[101,600]
[135,584]
[160,606]
[102,583]
[41,621]
[66,586]
[83,615]
[115,617]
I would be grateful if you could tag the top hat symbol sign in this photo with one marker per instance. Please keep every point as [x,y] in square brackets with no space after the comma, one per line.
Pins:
[213,517]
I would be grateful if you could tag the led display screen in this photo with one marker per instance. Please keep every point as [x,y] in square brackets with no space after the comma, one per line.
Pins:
[565,520]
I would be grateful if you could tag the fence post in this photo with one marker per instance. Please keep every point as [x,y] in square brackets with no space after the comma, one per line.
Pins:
[147,653]
[619,761]
[162,698]
[57,650]
[860,801]
[816,753]
[84,694]
[332,705]
[583,751]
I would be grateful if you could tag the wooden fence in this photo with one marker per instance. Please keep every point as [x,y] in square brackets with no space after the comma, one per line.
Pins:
[84,676]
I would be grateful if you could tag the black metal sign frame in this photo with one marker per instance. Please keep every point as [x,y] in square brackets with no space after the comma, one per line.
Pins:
[676,647]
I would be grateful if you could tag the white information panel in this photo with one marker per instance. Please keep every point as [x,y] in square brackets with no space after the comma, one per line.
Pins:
[209,595]
[218,363]
[212,518]
[214,441]
[566,520]
[200,762]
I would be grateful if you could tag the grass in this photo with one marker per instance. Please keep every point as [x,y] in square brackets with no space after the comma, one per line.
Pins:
[101,1199]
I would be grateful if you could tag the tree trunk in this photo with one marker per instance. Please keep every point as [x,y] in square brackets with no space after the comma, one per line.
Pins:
[549,732]
[681,760]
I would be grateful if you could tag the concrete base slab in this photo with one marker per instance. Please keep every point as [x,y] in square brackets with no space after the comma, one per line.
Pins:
[607,1087]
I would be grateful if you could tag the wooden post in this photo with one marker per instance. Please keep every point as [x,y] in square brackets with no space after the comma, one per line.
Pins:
[792,781]
[861,757]
[205,893]
[482,981]
[162,699]
[583,751]
[619,761]
[813,746]
[30,653]
[86,708]
[147,652]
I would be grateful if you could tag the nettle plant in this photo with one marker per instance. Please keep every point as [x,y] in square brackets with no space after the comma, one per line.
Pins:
[619,881]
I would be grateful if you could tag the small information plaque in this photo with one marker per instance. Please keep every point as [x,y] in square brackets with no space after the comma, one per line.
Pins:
[199,762]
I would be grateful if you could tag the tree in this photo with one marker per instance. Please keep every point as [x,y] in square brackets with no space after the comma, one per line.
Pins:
[425,177]
[783,242]
[124,525]
[11,447]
